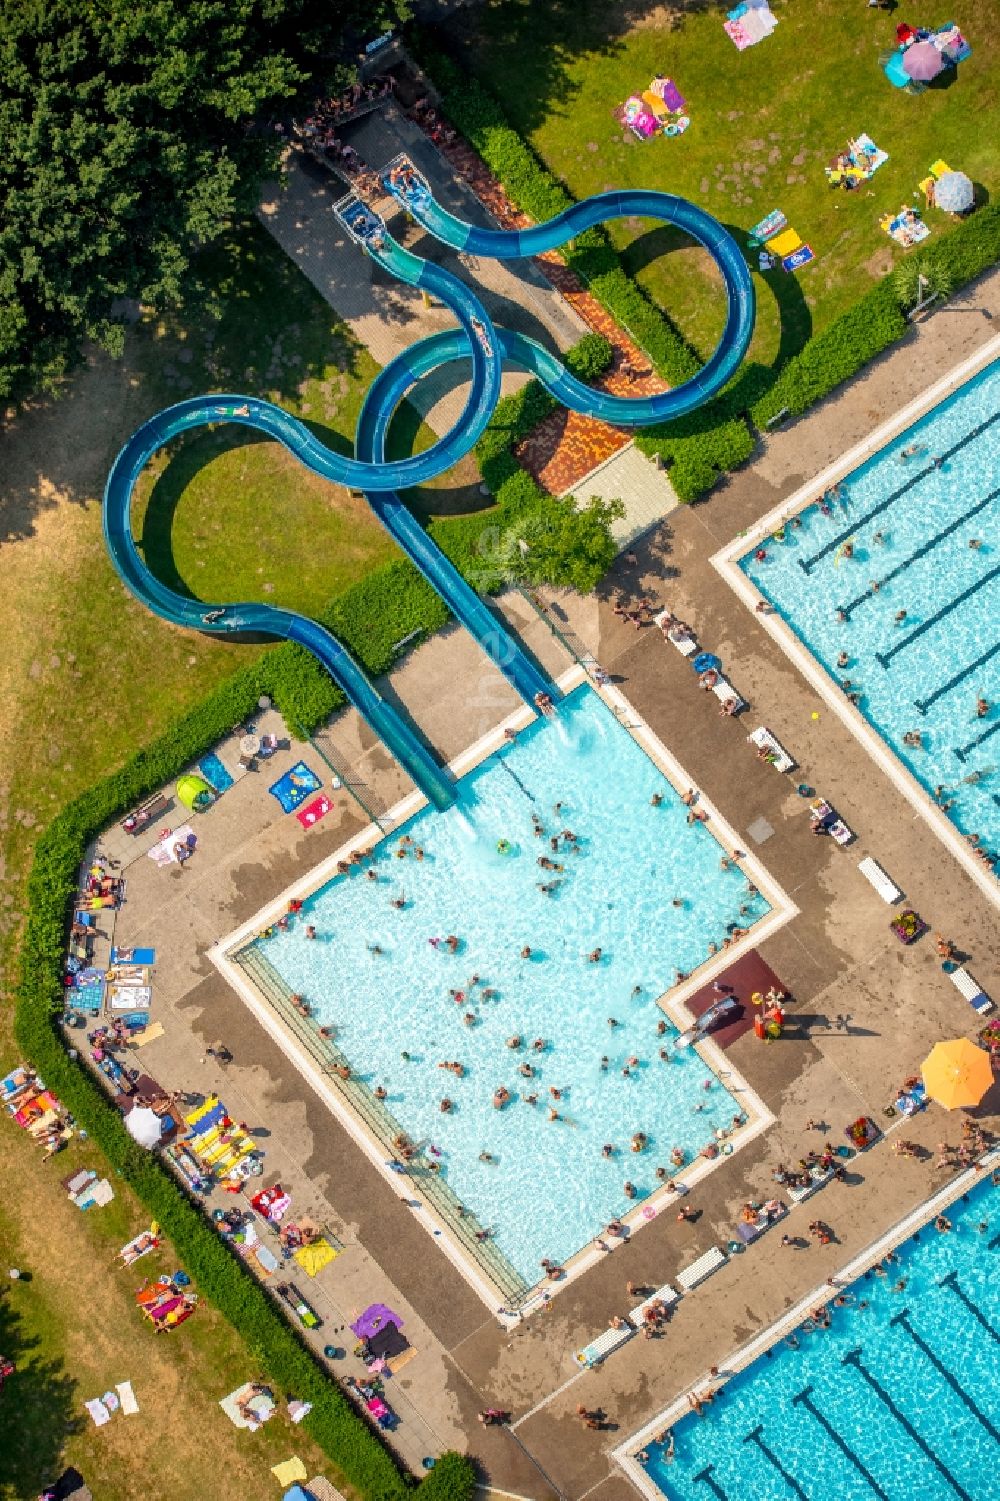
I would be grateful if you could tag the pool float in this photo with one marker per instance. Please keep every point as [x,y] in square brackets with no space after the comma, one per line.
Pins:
[504,847]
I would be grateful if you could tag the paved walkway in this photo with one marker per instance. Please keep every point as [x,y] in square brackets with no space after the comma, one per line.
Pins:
[629,476]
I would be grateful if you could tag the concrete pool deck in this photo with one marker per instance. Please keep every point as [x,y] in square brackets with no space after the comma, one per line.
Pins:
[837,958]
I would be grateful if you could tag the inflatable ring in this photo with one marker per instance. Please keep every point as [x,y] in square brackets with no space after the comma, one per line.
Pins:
[682,124]
[504,846]
[756,999]
[671,130]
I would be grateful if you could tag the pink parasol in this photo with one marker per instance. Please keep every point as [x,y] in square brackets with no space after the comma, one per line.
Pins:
[922,62]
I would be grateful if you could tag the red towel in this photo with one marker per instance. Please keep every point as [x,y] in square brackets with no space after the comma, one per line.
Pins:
[314,811]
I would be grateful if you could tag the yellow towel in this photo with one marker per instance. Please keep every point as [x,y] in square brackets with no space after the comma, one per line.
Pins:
[148,1034]
[784,244]
[939,168]
[314,1257]
[289,1471]
[655,104]
[202,1110]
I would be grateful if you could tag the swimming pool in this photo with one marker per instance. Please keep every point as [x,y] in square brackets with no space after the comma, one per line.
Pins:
[646,888]
[885,588]
[896,1399]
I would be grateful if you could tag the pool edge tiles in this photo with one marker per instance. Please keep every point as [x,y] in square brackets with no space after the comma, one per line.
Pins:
[317,1071]
[727,561]
[742,1360]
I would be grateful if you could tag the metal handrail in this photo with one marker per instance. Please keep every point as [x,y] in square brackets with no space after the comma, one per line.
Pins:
[421,1171]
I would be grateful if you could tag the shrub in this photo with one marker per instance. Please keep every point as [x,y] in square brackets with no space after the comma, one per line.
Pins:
[453,1478]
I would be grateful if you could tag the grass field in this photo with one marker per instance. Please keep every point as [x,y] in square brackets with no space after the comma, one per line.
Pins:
[764,123]
[87,676]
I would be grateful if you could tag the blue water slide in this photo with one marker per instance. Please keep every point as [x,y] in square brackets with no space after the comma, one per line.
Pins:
[514,244]
[484,348]
[268,620]
[468,607]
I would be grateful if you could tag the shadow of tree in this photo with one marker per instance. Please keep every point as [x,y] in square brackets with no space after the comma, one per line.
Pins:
[37,1406]
[535,43]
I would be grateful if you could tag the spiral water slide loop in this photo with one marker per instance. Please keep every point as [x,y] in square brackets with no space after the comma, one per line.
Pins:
[485,348]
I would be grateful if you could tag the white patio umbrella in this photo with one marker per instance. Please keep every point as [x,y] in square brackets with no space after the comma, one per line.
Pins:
[954,193]
[144,1126]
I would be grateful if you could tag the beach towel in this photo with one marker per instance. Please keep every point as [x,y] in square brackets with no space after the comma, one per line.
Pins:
[667,90]
[98,1411]
[289,1471]
[133,956]
[130,997]
[164,853]
[121,974]
[214,773]
[766,228]
[905,232]
[147,1034]
[314,811]
[314,1257]
[800,257]
[127,1398]
[292,789]
[784,243]
[873,157]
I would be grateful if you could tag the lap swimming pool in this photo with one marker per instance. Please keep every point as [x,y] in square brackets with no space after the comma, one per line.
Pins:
[893,583]
[895,1399]
[565,1034]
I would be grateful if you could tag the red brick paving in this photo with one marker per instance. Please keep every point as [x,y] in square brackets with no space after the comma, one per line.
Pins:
[748,976]
[565,446]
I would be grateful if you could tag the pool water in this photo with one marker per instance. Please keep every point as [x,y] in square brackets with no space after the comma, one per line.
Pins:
[549,1190]
[910,523]
[895,1400]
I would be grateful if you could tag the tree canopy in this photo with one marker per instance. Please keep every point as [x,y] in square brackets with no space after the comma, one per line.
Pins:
[133,131]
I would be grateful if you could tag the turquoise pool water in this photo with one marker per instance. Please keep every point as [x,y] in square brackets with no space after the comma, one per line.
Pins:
[549,1189]
[897,1399]
[910,522]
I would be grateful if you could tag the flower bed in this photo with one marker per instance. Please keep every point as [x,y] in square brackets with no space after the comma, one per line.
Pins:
[908,926]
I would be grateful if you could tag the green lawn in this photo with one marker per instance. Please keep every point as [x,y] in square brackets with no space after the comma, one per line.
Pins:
[764,123]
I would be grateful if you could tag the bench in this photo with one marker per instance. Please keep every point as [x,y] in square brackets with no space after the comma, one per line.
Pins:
[972,991]
[144,815]
[764,740]
[602,1346]
[700,1269]
[665,1294]
[876,876]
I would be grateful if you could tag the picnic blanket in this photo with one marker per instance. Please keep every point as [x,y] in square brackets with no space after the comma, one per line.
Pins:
[314,811]
[749,24]
[294,787]
[904,229]
[164,853]
[858,163]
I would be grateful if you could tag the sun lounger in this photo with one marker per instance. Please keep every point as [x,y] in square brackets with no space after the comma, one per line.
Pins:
[678,636]
[876,876]
[818,1178]
[665,1294]
[724,692]
[700,1269]
[601,1347]
[973,992]
[764,740]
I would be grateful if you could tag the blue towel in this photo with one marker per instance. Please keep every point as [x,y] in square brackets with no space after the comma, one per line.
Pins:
[133,956]
[294,787]
[214,772]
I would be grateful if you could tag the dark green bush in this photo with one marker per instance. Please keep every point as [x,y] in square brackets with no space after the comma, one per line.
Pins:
[453,1478]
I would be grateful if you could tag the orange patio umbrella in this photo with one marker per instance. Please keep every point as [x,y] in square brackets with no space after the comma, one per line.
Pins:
[957,1073]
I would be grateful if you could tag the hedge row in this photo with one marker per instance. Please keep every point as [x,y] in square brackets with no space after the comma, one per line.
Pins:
[878,318]
[697,448]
